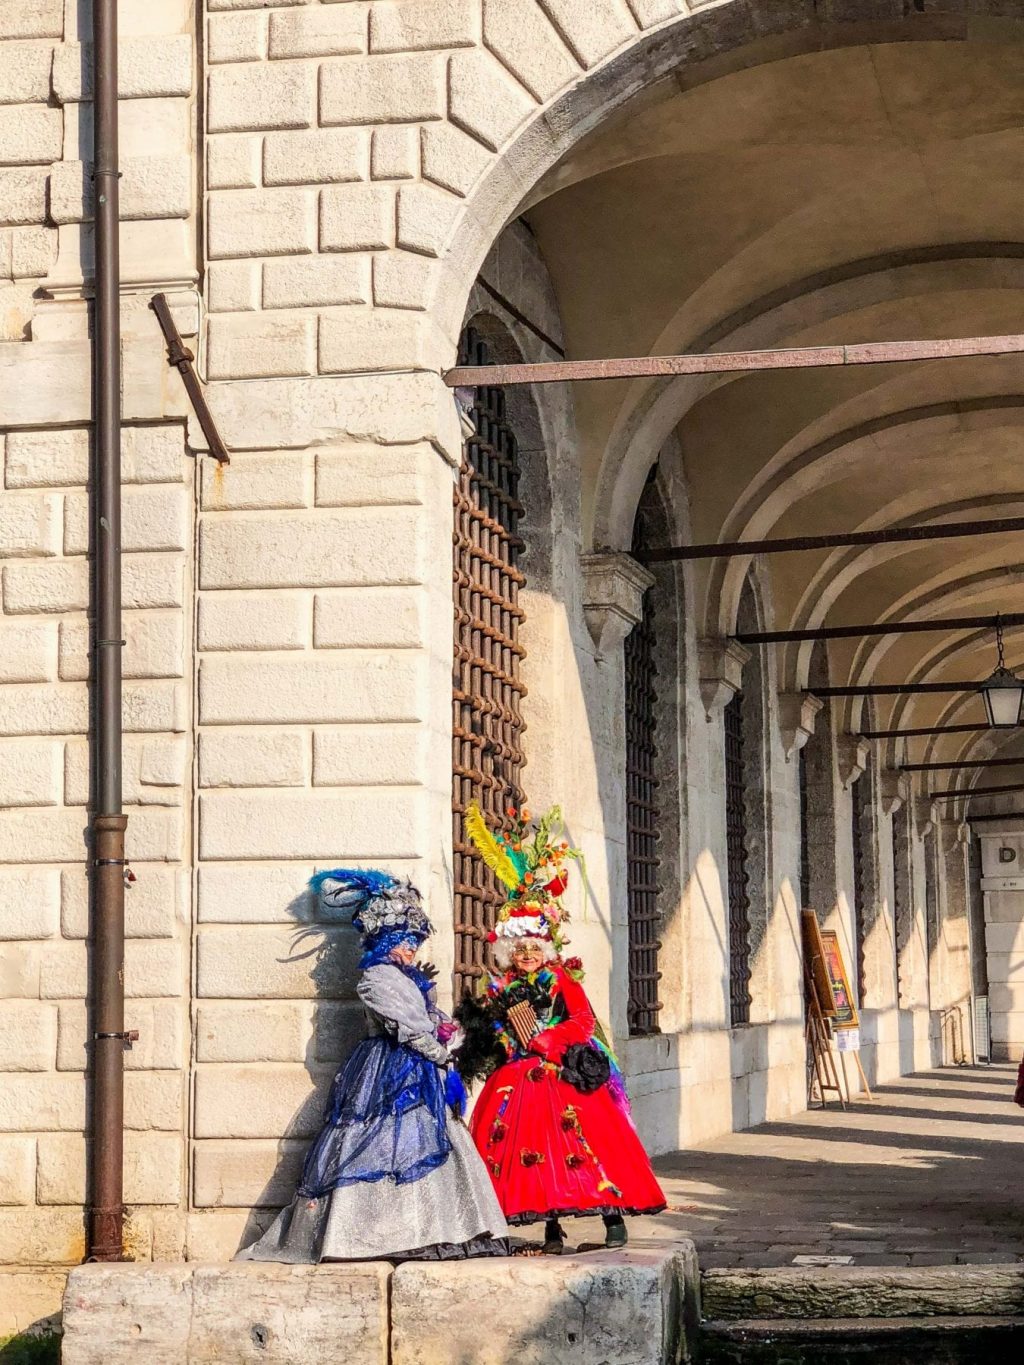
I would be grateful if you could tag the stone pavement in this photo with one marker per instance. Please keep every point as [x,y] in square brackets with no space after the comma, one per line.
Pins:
[931,1172]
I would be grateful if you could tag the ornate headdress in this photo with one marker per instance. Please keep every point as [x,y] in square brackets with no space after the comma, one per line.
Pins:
[382,906]
[529,859]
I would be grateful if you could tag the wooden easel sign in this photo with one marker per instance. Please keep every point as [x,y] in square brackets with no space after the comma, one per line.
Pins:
[831,1011]
[821,1011]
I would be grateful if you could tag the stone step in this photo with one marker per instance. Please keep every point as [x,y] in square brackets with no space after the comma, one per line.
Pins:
[855,1341]
[989,1291]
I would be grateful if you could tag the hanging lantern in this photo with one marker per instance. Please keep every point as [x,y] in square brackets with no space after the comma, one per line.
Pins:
[1003,692]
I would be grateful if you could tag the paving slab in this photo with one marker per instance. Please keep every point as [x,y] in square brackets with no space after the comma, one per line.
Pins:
[930,1168]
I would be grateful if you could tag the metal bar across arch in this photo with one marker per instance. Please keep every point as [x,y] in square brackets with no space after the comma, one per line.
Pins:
[731,362]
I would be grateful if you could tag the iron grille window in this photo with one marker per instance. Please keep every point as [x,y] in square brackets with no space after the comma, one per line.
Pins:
[642,818]
[487,723]
[805,839]
[736,864]
[901,893]
[931,890]
[861,830]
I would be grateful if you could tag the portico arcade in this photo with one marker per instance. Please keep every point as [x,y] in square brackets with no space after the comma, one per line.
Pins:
[615,178]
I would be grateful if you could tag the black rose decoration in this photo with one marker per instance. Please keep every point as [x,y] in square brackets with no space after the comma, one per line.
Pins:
[584,1068]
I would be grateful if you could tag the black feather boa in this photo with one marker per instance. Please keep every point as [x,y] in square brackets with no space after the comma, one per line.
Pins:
[481,1052]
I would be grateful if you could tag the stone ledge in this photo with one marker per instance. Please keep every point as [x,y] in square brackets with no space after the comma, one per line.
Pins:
[626,1307]
[864,1292]
[634,1308]
[277,1314]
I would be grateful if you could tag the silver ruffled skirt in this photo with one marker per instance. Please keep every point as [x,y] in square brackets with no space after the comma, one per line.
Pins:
[450,1213]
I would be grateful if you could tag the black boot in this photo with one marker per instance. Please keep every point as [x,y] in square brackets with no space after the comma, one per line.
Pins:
[554,1238]
[615,1234]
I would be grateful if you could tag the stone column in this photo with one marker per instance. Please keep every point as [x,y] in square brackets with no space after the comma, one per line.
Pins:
[1002,884]
[613,590]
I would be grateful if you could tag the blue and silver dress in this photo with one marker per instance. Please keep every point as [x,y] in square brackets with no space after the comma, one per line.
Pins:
[394,1174]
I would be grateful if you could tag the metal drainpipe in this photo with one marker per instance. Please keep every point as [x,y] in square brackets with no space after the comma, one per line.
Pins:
[106,1125]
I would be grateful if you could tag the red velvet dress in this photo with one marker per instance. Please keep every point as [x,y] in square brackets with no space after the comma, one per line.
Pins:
[550,1149]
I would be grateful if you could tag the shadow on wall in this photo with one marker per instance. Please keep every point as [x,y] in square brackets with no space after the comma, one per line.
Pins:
[330,944]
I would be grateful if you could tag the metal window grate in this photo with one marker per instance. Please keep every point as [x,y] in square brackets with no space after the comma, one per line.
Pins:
[860,816]
[736,857]
[487,723]
[931,893]
[642,816]
[805,837]
[901,896]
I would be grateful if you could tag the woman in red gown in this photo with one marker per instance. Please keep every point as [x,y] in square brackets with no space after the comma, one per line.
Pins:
[553,1123]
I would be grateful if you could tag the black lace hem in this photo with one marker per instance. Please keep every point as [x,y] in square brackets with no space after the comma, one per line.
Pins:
[518,1220]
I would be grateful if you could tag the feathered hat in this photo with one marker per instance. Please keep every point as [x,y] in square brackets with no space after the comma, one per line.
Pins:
[529,859]
[380,903]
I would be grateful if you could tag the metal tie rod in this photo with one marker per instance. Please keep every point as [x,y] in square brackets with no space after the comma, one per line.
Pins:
[777,637]
[956,767]
[975,791]
[729,362]
[924,730]
[898,535]
[894,689]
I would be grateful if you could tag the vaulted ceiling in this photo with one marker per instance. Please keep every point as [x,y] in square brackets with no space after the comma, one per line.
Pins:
[864,193]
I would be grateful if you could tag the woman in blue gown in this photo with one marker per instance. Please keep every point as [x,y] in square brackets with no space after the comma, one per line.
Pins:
[394,1174]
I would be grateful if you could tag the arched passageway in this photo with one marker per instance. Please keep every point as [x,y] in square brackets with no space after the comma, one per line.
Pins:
[748,179]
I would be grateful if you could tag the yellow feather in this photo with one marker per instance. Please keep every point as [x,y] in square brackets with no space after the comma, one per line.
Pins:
[489,849]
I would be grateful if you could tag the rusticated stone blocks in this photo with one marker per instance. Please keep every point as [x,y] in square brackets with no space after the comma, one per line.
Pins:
[610,1306]
[274,1314]
[633,1309]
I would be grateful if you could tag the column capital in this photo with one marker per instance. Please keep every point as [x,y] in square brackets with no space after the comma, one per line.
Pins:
[613,594]
[895,790]
[798,712]
[926,815]
[852,757]
[721,663]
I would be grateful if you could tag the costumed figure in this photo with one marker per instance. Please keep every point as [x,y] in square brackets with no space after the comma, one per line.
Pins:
[553,1121]
[393,1174]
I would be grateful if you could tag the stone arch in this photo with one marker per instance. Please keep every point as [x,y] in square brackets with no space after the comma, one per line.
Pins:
[574,66]
[658,405]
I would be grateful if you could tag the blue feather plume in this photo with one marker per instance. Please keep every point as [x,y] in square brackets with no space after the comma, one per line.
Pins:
[369,881]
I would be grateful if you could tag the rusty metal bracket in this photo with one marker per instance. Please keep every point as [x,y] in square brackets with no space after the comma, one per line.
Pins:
[182,359]
[127,1037]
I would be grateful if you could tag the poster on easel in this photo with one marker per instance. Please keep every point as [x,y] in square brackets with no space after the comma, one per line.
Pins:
[831,1012]
[846,1016]
[822,1010]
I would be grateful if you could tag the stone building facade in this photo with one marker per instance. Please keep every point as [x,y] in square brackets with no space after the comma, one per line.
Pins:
[330,194]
